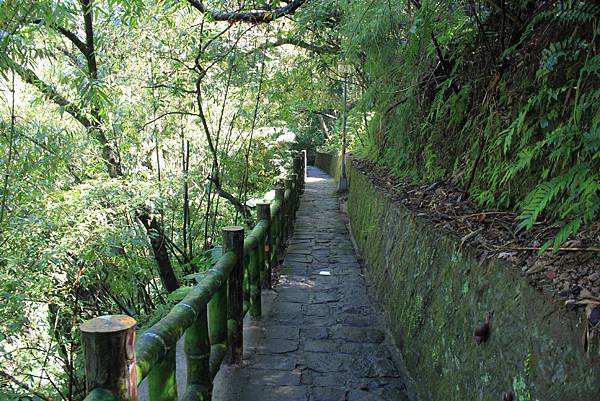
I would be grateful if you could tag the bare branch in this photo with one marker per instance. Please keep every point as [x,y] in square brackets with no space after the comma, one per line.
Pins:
[74,60]
[174,88]
[66,33]
[169,113]
[255,17]
[90,53]
[239,206]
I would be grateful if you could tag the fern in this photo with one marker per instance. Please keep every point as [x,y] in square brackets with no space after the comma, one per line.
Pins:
[537,121]
[568,49]
[540,198]
[576,12]
[563,234]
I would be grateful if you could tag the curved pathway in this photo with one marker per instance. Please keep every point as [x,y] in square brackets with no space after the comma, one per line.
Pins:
[319,338]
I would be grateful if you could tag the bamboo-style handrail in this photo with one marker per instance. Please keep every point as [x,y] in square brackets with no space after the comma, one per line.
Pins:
[210,316]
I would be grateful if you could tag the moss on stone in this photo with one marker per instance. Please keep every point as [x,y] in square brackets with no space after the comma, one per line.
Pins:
[435,294]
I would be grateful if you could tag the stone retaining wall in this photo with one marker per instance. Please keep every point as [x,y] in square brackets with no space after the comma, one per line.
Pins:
[435,294]
[331,163]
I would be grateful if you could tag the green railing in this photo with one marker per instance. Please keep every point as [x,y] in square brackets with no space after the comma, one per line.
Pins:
[210,317]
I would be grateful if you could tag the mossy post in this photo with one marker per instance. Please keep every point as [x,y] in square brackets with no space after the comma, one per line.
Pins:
[263,212]
[254,281]
[288,210]
[233,240]
[279,221]
[197,353]
[246,283]
[217,326]
[162,379]
[109,352]
[298,163]
[304,160]
[295,194]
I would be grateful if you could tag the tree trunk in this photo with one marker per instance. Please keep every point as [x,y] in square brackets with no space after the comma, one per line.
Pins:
[159,247]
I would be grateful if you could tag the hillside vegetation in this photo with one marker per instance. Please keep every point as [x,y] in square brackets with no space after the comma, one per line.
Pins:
[501,97]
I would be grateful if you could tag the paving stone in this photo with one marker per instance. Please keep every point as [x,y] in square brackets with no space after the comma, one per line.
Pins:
[356,320]
[274,377]
[298,295]
[254,392]
[273,362]
[370,349]
[287,307]
[327,394]
[372,366]
[286,332]
[335,380]
[311,322]
[363,395]
[357,334]
[313,333]
[320,310]
[324,297]
[299,249]
[321,346]
[294,257]
[327,362]
[283,318]
[276,346]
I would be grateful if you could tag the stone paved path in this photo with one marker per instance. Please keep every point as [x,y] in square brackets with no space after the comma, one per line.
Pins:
[319,339]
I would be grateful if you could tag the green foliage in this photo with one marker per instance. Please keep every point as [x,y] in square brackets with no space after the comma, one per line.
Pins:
[72,242]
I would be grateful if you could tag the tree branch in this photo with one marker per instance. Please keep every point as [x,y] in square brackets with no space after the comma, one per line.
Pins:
[24,386]
[66,33]
[90,53]
[296,42]
[255,17]
[109,154]
[239,206]
[169,113]
[173,88]
[74,60]
[31,78]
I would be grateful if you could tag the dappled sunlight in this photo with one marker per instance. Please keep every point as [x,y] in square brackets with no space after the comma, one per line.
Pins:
[315,179]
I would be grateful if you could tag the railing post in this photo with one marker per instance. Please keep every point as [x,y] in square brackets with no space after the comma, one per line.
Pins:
[233,240]
[162,379]
[298,165]
[263,212]
[109,352]
[197,353]
[279,222]
[254,281]
[295,194]
[217,328]
[289,206]
[304,168]
[246,283]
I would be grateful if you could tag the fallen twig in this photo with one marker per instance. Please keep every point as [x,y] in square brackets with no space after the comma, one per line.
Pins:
[537,248]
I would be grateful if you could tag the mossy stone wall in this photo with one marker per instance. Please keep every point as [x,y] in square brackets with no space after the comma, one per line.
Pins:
[435,294]
[331,163]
